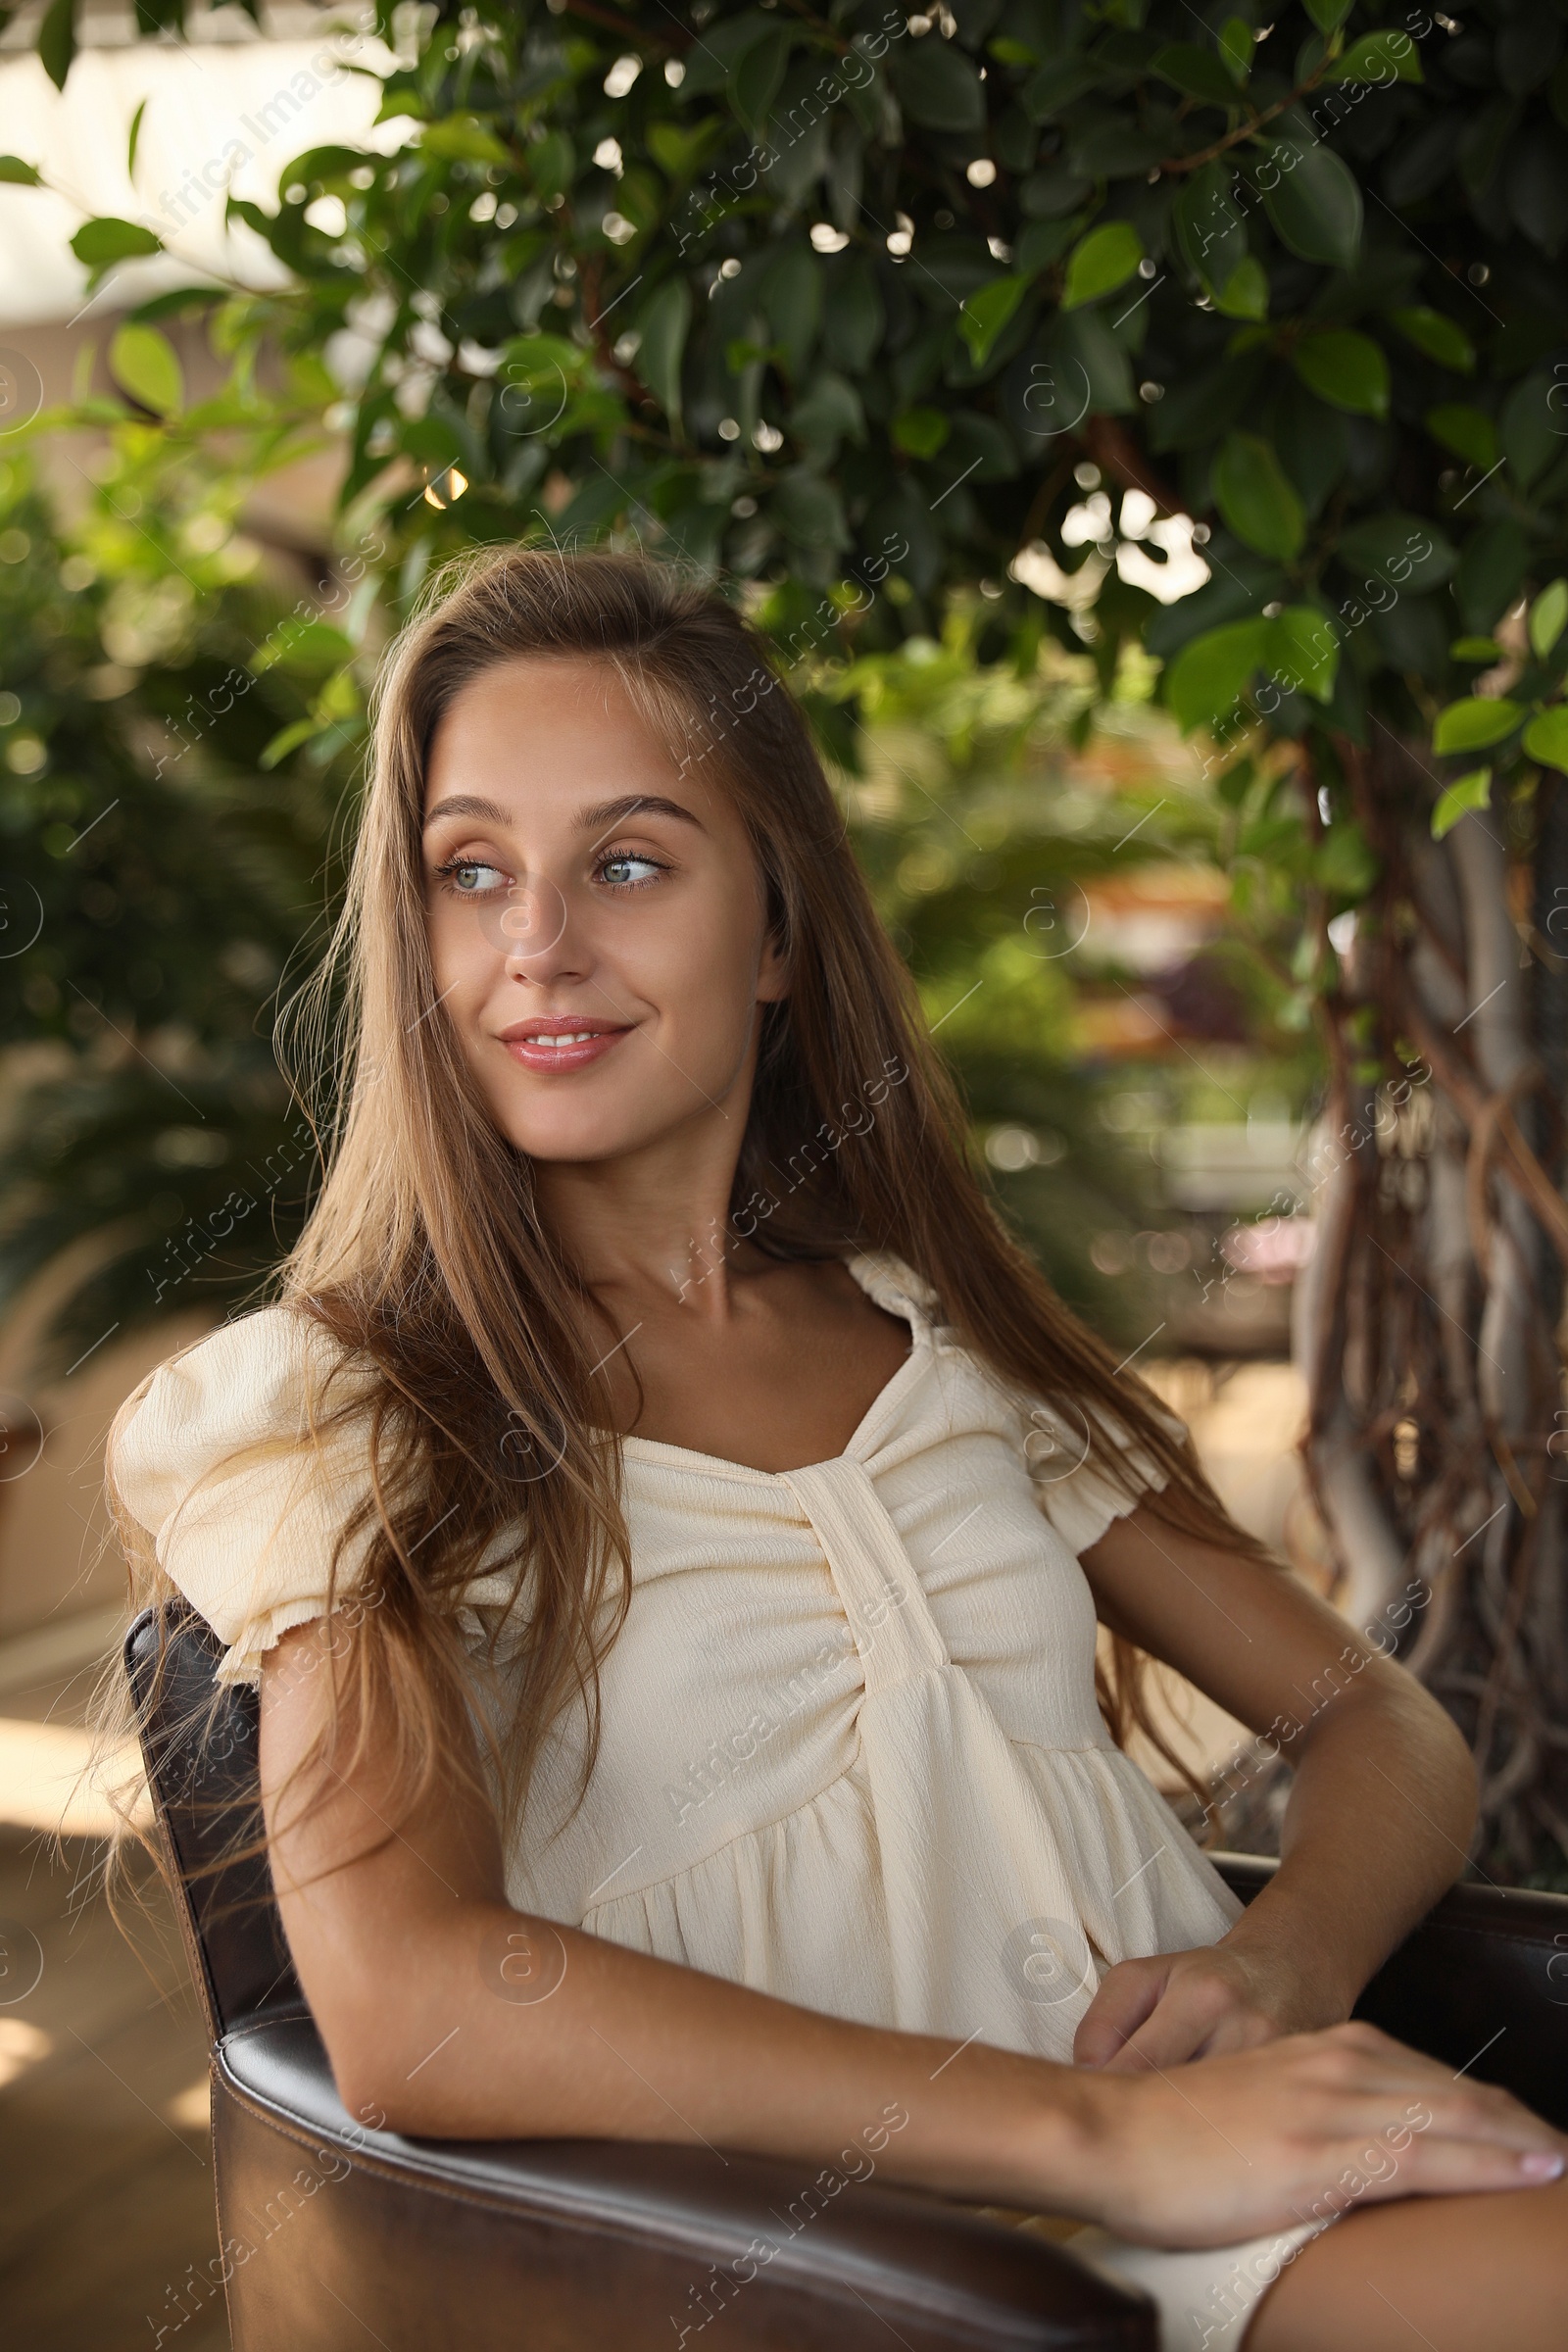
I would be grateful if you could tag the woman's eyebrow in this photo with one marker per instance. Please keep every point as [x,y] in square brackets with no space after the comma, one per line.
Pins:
[465,804]
[610,813]
[602,818]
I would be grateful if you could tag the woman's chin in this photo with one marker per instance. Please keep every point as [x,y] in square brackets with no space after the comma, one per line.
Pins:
[582,1135]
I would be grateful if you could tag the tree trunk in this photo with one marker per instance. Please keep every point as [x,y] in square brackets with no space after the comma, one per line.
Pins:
[1428,1325]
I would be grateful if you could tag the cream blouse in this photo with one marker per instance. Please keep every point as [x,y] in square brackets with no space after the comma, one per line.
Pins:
[849,1751]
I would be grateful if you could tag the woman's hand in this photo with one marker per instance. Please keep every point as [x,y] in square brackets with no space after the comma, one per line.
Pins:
[1295,2132]
[1173,2006]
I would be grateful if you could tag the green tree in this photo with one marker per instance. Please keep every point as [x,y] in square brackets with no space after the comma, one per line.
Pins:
[156,890]
[837,294]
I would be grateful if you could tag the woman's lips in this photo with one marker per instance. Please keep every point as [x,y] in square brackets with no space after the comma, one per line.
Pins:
[567,1047]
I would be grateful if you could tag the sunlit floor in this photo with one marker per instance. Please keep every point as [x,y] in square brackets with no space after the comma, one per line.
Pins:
[106,2184]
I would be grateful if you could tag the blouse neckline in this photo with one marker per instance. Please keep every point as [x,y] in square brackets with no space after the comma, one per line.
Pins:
[888,1282]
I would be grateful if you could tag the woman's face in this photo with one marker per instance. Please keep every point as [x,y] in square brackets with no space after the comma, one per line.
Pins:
[597,920]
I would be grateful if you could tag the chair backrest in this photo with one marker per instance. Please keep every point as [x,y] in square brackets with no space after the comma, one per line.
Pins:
[203,1784]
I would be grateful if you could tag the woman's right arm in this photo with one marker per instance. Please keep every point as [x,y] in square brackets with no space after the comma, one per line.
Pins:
[457,2017]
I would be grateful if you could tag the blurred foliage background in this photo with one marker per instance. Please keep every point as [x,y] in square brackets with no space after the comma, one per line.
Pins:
[174,813]
[1139,427]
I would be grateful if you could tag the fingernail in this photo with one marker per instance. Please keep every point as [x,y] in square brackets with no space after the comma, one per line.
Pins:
[1541,2165]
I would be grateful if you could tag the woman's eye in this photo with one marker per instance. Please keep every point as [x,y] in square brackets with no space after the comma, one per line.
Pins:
[625,870]
[471,877]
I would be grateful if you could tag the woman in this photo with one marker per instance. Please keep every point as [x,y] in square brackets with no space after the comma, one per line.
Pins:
[700,1509]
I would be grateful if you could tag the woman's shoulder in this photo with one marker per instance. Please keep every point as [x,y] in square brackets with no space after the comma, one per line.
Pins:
[256,1382]
[231,1455]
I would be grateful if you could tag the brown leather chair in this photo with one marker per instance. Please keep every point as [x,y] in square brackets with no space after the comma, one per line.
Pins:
[333,2236]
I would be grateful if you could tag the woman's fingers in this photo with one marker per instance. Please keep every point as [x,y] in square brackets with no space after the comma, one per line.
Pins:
[1307,2126]
[1439,2166]
[1199,2012]
[1126,1996]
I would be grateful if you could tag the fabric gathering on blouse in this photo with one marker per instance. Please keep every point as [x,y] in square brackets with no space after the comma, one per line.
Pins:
[849,1752]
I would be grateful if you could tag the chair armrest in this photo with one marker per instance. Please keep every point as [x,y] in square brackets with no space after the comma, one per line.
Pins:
[1480,1983]
[588,2243]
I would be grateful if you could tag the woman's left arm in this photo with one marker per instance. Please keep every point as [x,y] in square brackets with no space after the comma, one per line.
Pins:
[1377,1825]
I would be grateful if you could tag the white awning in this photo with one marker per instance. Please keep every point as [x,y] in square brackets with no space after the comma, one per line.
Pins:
[221,118]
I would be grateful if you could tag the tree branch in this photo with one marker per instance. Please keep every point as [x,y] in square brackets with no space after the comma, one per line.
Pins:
[1114,451]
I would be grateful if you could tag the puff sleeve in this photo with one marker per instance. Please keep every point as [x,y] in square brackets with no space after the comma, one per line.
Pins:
[1074,1493]
[214,1456]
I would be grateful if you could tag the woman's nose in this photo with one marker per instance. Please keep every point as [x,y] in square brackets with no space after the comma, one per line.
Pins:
[528,926]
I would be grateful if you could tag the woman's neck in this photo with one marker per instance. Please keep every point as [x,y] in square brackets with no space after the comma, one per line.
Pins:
[653,1221]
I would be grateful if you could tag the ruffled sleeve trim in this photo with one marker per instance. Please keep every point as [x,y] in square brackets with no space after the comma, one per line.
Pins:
[217,1457]
[1078,1497]
[241,1662]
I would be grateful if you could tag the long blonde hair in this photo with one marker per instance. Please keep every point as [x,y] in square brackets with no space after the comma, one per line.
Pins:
[426,1265]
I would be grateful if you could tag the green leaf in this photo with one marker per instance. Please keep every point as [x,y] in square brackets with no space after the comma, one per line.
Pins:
[1197,72]
[1211,231]
[1467,792]
[102,242]
[57,40]
[1379,57]
[1328,15]
[1475,649]
[665,322]
[1313,200]
[1236,48]
[464,139]
[1492,572]
[1469,432]
[1041,243]
[1546,737]
[679,152]
[1101,262]
[753,82]
[1475,723]
[1082,350]
[809,509]
[792,297]
[1548,615]
[1433,332]
[987,313]
[1528,432]
[305,646]
[18,173]
[830,412]
[1209,675]
[142,363]
[134,140]
[1305,650]
[1409,552]
[921,432]
[552,162]
[1244,293]
[287,740]
[855,318]
[1256,497]
[1344,862]
[1347,370]
[938,86]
